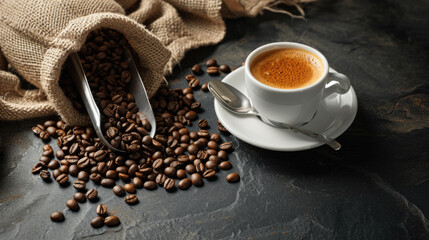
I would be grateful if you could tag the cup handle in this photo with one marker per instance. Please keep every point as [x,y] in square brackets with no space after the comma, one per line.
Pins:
[341,85]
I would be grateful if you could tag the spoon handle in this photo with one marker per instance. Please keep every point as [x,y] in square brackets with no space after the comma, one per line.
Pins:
[334,144]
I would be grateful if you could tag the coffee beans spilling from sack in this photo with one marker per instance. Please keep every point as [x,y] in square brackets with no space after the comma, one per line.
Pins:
[174,154]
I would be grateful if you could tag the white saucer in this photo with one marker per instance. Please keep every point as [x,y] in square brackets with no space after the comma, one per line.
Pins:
[334,115]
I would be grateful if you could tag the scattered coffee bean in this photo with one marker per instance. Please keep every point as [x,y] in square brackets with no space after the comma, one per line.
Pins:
[194,83]
[118,190]
[112,221]
[45,175]
[211,62]
[150,185]
[131,199]
[97,222]
[233,177]
[181,173]
[225,165]
[101,210]
[79,185]
[209,173]
[196,69]
[224,68]
[130,188]
[72,205]
[203,123]
[221,128]
[107,183]
[54,164]
[92,194]
[83,176]
[213,70]
[95,177]
[62,179]
[80,197]
[137,182]
[57,217]
[184,184]
[196,179]
[169,184]
[205,87]
[190,168]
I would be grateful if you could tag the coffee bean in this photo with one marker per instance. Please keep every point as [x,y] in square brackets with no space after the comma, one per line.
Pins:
[45,175]
[101,210]
[221,128]
[199,167]
[195,106]
[209,173]
[112,221]
[170,172]
[118,190]
[194,83]
[36,130]
[190,168]
[196,179]
[212,145]
[80,197]
[71,159]
[196,69]
[124,177]
[112,174]
[184,184]
[213,70]
[157,164]
[202,123]
[130,188]
[224,68]
[160,179]
[46,160]
[233,177]
[191,115]
[54,164]
[131,199]
[62,179]
[169,184]
[107,183]
[92,194]
[211,165]
[202,154]
[57,217]
[38,167]
[227,146]
[56,173]
[222,155]
[150,185]
[181,173]
[83,163]
[79,185]
[83,176]
[137,182]
[97,222]
[95,177]
[226,165]
[44,136]
[73,170]
[211,62]
[72,205]
[205,87]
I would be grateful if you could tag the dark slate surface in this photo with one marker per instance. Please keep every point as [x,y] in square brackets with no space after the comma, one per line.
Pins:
[376,187]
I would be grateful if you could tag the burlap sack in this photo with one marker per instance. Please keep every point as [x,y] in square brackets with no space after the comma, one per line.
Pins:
[36,37]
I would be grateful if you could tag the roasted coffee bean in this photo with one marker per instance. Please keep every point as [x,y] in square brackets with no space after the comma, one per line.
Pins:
[57,217]
[211,152]
[131,199]
[169,184]
[209,173]
[37,130]
[62,179]
[71,159]
[56,173]
[83,163]
[46,160]
[129,188]
[54,164]
[180,173]
[45,136]
[39,166]
[227,146]
[107,183]
[222,155]
[233,177]
[45,175]
[112,221]
[92,194]
[191,115]
[202,154]
[196,179]
[190,168]
[203,133]
[193,149]
[112,174]
[196,69]
[79,185]
[160,179]
[97,222]
[205,87]
[170,172]
[80,197]
[224,68]
[221,128]
[215,137]
[157,164]
[213,70]
[211,165]
[225,165]
[125,177]
[95,177]
[184,184]
[195,106]
[189,77]
[202,123]
[101,210]
[212,145]
[72,205]
[73,170]
[83,176]
[194,83]
[137,182]
[150,185]
[118,190]
[199,168]
[211,62]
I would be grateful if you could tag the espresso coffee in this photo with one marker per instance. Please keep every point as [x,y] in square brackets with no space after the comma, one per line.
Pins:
[287,68]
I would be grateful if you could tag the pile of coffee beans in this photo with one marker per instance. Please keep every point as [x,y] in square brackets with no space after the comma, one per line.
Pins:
[174,154]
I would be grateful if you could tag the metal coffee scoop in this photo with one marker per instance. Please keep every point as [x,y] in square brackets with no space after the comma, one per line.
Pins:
[135,87]
[236,102]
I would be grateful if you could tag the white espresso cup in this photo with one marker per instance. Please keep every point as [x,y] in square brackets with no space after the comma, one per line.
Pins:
[292,106]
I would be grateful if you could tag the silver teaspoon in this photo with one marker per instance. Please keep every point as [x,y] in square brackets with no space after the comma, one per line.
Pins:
[236,102]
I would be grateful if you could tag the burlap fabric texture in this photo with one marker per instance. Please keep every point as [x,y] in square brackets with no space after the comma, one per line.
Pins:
[36,37]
